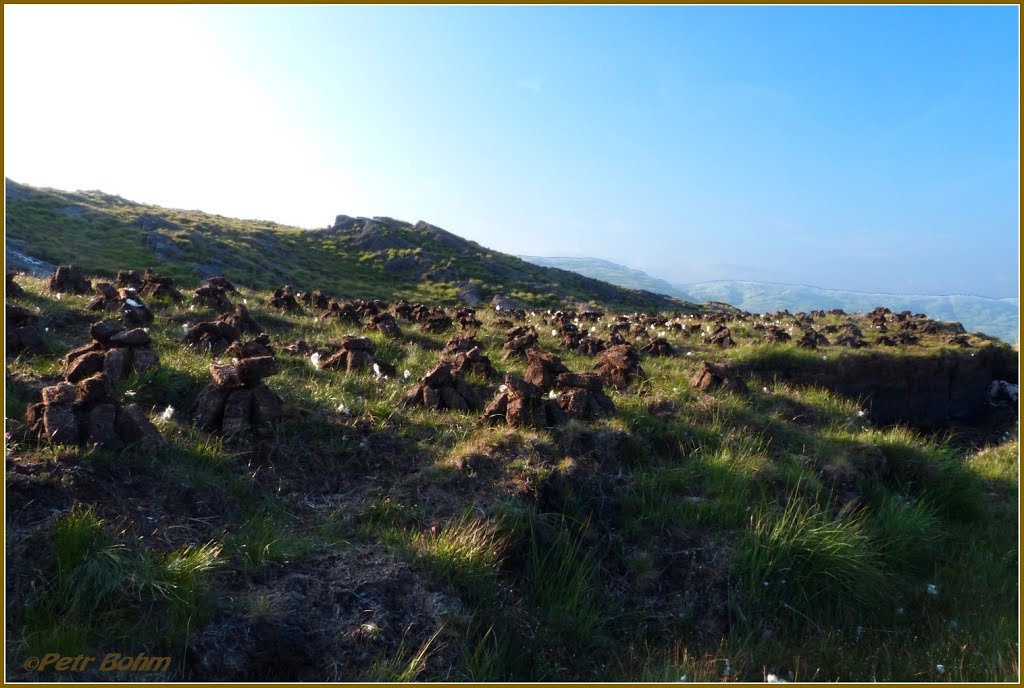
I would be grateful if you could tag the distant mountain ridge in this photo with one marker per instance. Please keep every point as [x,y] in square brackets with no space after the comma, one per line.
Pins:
[995,317]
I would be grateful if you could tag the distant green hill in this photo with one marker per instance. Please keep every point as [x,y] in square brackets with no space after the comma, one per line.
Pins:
[996,317]
[354,258]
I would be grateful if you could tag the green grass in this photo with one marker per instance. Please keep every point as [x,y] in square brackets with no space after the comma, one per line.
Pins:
[545,554]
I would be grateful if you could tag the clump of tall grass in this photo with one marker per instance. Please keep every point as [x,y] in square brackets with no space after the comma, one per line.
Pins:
[804,562]
[466,552]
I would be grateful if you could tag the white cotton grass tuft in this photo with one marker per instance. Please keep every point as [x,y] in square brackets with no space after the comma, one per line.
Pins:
[168,414]
[503,388]
[184,327]
[344,410]
[58,296]
[406,374]
[376,371]
[940,669]
[554,333]
[772,678]
[314,360]
[133,303]
[933,590]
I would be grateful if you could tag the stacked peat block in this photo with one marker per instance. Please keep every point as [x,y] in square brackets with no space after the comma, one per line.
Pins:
[370,308]
[658,347]
[86,413]
[355,353]
[542,368]
[402,309]
[217,335]
[115,351]
[126,300]
[436,322]
[469,357]
[812,339]
[519,403]
[23,331]
[129,279]
[346,312]
[251,348]
[68,279]
[959,340]
[215,294]
[14,290]
[722,336]
[518,341]
[851,337]
[581,394]
[157,286]
[238,401]
[466,317]
[444,388]
[386,324]
[316,299]
[773,333]
[590,346]
[710,377]
[619,366]
[285,298]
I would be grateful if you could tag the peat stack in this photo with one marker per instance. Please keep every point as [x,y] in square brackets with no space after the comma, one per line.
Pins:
[237,401]
[126,300]
[215,294]
[773,333]
[436,323]
[23,331]
[518,341]
[444,388]
[68,279]
[619,366]
[114,350]
[519,403]
[812,339]
[722,336]
[386,324]
[542,369]
[285,298]
[355,353]
[658,347]
[710,377]
[85,413]
[217,335]
[158,286]
[346,312]
[581,395]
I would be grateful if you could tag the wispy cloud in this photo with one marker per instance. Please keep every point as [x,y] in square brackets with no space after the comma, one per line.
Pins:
[533,85]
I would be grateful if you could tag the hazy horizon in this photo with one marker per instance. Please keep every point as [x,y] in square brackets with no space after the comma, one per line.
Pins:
[870,149]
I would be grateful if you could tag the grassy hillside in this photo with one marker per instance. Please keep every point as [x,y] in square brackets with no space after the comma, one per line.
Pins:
[364,258]
[687,535]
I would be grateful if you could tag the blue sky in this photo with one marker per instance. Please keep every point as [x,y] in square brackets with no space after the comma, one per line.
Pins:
[865,148]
